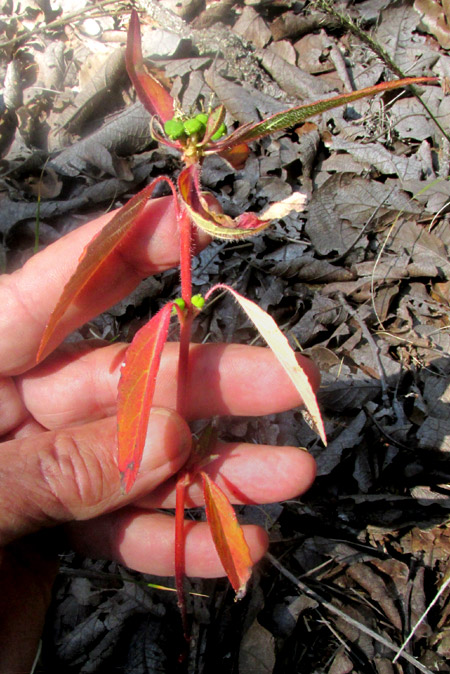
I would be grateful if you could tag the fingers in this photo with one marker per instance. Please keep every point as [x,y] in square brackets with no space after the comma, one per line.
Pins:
[29,295]
[68,474]
[247,474]
[146,542]
[79,384]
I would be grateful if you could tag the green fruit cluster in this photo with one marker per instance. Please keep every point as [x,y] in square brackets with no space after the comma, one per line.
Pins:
[176,129]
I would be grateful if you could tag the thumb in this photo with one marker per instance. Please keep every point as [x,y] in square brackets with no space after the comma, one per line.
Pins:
[71,474]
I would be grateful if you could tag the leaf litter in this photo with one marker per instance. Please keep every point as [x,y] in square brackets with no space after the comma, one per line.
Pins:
[360,281]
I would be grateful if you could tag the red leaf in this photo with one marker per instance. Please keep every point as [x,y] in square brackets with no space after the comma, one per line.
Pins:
[287,118]
[136,389]
[236,155]
[94,257]
[151,93]
[228,536]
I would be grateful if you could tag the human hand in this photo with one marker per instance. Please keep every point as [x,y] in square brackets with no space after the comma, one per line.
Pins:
[58,431]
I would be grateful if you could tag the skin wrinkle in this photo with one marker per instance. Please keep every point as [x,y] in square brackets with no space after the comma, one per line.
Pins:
[95,383]
[47,462]
[31,500]
[66,462]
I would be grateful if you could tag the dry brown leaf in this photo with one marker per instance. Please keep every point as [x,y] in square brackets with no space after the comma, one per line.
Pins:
[257,651]
[252,27]
[436,20]
[378,591]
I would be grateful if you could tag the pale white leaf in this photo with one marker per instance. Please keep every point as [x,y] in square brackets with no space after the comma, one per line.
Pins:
[275,339]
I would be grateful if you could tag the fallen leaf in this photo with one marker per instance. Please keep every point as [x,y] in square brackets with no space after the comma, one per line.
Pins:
[433,17]
[252,27]
[257,651]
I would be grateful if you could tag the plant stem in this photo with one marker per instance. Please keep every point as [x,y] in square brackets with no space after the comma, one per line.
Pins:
[180,552]
[185,230]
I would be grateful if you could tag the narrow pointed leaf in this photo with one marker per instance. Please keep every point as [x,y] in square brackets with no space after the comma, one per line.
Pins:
[94,257]
[151,93]
[136,389]
[228,536]
[275,339]
[220,225]
[287,118]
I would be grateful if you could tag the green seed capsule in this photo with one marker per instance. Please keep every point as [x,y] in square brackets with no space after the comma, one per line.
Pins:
[202,117]
[221,131]
[174,128]
[198,301]
[192,126]
[179,302]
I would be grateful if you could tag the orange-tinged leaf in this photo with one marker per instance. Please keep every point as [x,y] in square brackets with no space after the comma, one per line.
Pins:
[151,93]
[93,257]
[136,389]
[228,536]
[236,156]
[275,339]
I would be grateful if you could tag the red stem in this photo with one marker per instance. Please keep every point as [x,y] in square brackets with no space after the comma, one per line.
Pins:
[180,552]
[185,229]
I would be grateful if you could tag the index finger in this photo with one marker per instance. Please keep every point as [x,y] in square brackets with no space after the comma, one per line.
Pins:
[29,295]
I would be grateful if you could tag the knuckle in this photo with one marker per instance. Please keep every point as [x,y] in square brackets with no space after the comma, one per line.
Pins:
[74,477]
